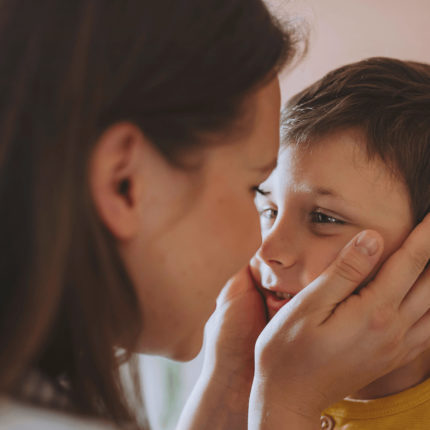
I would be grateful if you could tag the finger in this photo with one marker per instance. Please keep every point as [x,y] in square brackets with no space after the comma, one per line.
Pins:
[417,339]
[350,268]
[401,270]
[417,301]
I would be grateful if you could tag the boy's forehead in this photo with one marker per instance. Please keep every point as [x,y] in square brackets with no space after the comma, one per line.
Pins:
[340,148]
[337,169]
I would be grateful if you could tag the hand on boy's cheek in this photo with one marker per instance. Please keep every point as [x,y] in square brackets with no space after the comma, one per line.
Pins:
[234,327]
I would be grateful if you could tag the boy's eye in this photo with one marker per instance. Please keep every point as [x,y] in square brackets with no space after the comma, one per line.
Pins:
[321,218]
[268,213]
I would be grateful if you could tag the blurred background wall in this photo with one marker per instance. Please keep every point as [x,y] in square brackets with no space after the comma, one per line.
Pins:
[340,31]
[343,31]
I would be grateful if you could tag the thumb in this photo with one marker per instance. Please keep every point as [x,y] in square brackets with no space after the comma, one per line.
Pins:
[352,267]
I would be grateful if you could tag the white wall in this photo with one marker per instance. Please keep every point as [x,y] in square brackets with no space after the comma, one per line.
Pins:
[342,31]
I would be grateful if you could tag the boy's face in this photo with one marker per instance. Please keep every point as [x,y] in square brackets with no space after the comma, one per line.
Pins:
[317,200]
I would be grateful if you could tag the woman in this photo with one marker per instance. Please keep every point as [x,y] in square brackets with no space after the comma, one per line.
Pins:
[133,137]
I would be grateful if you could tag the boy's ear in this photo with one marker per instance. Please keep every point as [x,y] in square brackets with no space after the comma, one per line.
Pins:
[115,180]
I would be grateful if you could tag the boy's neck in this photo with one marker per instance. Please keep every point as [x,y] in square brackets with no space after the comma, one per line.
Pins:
[398,380]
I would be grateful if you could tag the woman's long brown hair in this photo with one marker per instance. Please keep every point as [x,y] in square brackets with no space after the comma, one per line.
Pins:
[68,70]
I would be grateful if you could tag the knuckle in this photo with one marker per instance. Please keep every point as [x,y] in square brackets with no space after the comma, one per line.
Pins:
[388,329]
[382,317]
[350,268]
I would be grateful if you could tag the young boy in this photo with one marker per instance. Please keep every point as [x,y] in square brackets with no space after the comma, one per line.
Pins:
[355,155]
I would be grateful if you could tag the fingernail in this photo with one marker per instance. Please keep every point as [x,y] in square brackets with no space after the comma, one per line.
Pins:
[366,243]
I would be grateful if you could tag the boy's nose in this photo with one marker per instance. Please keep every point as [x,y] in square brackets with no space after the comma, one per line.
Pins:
[278,251]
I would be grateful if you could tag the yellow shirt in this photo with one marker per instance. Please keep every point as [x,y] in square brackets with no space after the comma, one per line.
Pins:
[408,410]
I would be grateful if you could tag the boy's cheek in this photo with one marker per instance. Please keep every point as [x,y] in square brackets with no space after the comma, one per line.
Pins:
[319,259]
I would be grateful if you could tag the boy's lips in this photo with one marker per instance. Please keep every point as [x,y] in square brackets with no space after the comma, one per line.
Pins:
[276,297]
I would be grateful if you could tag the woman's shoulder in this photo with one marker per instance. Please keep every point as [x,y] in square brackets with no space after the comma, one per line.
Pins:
[17,416]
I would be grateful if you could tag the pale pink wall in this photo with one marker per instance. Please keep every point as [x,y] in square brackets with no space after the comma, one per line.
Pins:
[343,31]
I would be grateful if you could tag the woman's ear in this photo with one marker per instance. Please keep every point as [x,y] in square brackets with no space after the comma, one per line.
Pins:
[116,180]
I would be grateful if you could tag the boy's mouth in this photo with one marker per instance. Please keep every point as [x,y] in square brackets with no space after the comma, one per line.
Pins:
[274,296]
[282,296]
[275,299]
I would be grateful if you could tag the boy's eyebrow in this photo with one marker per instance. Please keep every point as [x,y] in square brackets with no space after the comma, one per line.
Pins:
[345,204]
[327,192]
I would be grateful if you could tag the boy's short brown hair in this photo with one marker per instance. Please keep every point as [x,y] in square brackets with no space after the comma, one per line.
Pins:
[388,100]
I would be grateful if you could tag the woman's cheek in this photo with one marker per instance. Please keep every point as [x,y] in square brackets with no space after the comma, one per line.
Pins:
[245,233]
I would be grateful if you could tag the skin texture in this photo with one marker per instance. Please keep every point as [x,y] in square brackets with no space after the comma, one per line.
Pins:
[319,200]
[183,232]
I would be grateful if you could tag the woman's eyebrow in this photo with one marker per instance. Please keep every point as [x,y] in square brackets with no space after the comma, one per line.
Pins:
[267,168]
